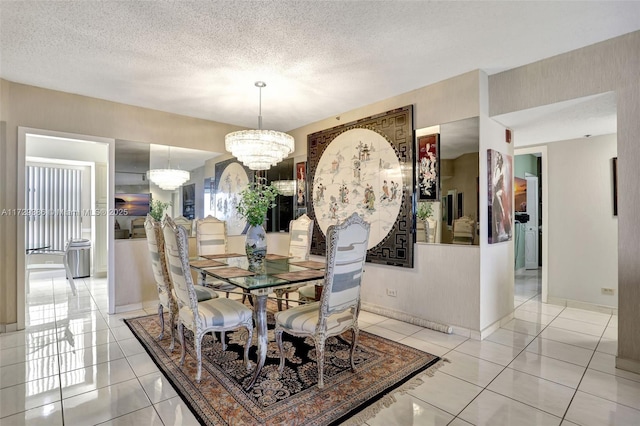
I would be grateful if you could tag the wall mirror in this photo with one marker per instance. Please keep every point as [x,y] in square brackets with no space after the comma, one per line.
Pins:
[281,175]
[459,171]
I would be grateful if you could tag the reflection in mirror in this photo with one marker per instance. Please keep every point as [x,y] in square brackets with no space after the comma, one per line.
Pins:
[454,219]
[281,175]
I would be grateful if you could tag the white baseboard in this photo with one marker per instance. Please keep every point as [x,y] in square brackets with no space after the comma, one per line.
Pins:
[603,309]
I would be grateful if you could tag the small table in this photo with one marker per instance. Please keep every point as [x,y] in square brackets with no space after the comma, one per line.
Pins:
[277,273]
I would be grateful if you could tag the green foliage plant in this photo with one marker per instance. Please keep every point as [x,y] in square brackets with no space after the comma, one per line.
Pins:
[157,209]
[424,210]
[255,201]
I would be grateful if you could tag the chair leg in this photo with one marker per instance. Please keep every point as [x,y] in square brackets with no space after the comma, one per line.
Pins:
[354,342]
[278,336]
[161,319]
[172,324]
[320,360]
[198,344]
[181,335]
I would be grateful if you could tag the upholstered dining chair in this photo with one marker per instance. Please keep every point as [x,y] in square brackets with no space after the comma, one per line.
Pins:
[166,296]
[339,306]
[464,231]
[300,231]
[212,315]
[211,238]
[184,222]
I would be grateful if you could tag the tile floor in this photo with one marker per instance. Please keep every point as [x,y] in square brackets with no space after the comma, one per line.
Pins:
[76,365]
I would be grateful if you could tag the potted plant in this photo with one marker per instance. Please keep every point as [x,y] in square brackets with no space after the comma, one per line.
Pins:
[157,209]
[424,212]
[253,204]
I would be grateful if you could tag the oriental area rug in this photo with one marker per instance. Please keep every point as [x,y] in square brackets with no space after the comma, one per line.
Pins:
[383,367]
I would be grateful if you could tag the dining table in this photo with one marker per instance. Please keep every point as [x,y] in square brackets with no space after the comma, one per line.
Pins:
[275,271]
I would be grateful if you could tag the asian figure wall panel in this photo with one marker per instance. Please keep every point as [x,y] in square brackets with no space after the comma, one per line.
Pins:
[365,166]
[231,177]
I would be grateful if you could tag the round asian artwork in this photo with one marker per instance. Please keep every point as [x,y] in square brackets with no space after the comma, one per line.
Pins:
[358,172]
[232,180]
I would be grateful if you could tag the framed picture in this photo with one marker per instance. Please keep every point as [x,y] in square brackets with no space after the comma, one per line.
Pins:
[615,186]
[189,201]
[365,166]
[428,167]
[301,184]
[500,178]
[231,177]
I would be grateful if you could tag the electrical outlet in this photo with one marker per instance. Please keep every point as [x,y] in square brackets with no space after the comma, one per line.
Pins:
[392,292]
[608,291]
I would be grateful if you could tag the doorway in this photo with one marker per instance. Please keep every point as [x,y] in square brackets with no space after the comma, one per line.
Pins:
[69,150]
[530,245]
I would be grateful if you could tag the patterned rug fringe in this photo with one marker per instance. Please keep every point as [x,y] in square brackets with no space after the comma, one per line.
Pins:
[387,400]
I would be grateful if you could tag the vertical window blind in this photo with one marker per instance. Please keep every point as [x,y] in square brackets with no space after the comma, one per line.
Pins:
[53,206]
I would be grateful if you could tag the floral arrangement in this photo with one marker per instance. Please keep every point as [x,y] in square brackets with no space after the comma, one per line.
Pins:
[424,210]
[157,209]
[255,200]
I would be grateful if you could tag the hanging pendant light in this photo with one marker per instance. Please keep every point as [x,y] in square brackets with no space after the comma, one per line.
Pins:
[168,179]
[259,149]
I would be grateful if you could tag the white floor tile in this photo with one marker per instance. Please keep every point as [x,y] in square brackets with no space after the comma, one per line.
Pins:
[595,318]
[146,416]
[589,410]
[421,345]
[72,341]
[492,409]
[142,364]
[45,415]
[471,369]
[385,332]
[562,351]
[525,327]
[442,339]
[510,338]
[76,382]
[86,357]
[400,326]
[446,392]
[174,412]
[578,326]
[550,369]
[408,410]
[157,387]
[104,404]
[534,391]
[122,333]
[606,363]
[459,422]
[608,346]
[614,388]
[131,347]
[543,308]
[25,396]
[26,371]
[570,337]
[489,351]
[370,317]
[21,354]
[536,317]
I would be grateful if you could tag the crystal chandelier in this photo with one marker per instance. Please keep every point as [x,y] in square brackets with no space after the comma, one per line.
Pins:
[168,179]
[259,149]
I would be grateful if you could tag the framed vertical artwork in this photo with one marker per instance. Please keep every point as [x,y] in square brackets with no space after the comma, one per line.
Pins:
[231,177]
[301,184]
[615,186]
[189,201]
[365,167]
[209,197]
[500,192]
[428,167]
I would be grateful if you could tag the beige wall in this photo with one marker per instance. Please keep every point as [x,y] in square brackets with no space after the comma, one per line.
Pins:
[581,211]
[29,106]
[611,65]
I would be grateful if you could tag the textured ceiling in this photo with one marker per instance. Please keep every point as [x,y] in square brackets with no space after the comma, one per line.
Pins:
[319,59]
